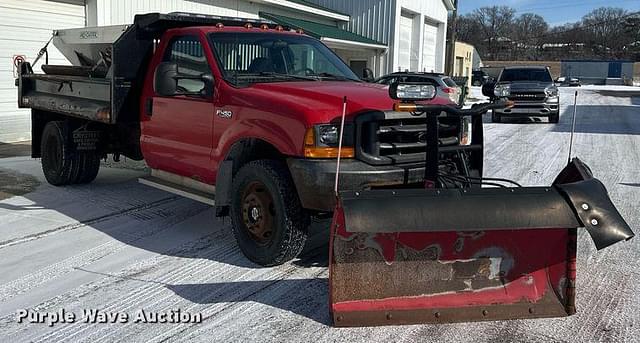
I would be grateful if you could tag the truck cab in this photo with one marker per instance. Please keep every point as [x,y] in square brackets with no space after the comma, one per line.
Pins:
[240,114]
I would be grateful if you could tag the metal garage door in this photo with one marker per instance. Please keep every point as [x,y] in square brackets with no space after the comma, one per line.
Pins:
[407,47]
[429,47]
[25,25]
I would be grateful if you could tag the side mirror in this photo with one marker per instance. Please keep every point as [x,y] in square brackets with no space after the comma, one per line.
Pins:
[168,82]
[367,75]
[411,91]
[487,89]
[165,81]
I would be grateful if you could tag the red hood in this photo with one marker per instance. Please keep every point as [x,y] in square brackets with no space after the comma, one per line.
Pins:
[321,101]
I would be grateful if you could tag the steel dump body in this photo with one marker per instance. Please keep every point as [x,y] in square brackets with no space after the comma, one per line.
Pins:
[109,64]
[102,84]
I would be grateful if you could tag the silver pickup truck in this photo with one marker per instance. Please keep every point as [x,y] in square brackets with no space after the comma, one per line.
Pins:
[531,88]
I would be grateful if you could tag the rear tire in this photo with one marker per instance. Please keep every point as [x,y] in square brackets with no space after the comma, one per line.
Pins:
[89,165]
[62,164]
[495,117]
[554,117]
[59,163]
[268,220]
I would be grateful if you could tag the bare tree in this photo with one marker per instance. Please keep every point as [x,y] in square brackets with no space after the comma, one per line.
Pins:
[605,32]
[495,25]
[604,27]
[529,30]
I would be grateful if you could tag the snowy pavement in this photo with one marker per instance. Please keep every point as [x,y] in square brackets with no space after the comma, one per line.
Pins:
[121,247]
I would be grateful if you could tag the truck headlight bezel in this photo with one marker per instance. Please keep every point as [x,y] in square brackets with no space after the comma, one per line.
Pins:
[321,141]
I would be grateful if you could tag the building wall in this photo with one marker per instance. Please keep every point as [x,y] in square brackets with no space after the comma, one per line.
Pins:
[463,60]
[115,12]
[426,12]
[380,20]
[25,27]
[595,72]
[373,19]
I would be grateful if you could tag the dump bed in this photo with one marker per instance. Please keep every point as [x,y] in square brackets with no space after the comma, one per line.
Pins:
[100,84]
[107,68]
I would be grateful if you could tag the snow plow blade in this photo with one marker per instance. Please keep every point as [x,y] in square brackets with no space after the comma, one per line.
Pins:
[410,256]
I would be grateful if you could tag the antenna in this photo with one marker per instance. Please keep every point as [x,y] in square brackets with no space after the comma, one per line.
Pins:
[344,113]
[573,124]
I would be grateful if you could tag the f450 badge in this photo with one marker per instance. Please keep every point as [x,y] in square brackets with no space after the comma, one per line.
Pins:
[226,114]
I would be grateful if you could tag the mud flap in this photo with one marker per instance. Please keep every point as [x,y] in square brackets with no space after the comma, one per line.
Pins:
[451,255]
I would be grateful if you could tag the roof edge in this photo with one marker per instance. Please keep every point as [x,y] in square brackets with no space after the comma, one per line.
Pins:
[308,7]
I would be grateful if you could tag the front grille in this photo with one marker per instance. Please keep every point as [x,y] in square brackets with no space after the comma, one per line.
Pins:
[527,96]
[398,138]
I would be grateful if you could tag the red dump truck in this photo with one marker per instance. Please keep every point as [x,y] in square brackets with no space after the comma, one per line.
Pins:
[236,113]
[252,118]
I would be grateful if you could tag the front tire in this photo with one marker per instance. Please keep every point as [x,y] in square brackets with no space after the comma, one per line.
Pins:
[554,117]
[268,220]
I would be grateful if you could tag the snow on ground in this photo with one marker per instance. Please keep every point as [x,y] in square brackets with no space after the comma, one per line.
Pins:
[119,246]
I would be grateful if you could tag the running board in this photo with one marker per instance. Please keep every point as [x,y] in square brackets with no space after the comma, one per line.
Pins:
[180,185]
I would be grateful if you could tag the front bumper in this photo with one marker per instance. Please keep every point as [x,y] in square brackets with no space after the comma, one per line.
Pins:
[527,108]
[314,179]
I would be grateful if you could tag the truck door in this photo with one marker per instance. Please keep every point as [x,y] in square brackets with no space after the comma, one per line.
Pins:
[177,132]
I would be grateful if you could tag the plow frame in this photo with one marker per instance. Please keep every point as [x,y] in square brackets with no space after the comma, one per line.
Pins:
[437,255]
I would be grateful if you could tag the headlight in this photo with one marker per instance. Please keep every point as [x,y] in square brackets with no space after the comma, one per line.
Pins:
[321,141]
[328,134]
[502,90]
[551,91]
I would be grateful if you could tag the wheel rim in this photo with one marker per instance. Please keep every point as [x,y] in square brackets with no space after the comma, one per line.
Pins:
[258,212]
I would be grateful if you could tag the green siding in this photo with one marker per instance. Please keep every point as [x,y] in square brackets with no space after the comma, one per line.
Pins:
[311,4]
[318,30]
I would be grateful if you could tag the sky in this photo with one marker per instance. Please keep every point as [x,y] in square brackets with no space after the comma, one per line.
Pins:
[555,12]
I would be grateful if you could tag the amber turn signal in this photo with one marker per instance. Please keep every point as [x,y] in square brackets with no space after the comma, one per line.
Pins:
[404,107]
[313,151]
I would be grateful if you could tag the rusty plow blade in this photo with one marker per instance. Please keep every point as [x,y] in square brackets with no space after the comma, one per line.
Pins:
[411,256]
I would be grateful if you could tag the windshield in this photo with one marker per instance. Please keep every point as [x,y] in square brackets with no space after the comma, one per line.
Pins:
[269,57]
[535,75]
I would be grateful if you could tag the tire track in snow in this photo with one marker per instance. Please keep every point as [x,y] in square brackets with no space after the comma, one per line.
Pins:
[59,269]
[106,282]
[88,222]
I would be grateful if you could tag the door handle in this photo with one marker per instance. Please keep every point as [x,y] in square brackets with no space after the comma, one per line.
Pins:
[148,107]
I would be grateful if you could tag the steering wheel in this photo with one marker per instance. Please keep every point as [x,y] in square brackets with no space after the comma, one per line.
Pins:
[307,71]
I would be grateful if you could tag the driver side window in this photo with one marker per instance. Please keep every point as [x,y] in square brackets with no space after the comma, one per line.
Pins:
[187,52]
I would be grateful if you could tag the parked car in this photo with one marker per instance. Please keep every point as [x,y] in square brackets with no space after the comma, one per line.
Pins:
[568,81]
[445,86]
[479,78]
[531,89]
